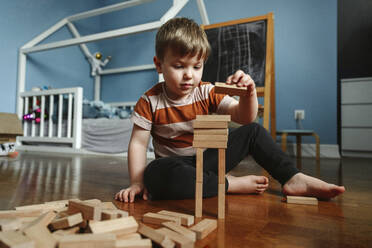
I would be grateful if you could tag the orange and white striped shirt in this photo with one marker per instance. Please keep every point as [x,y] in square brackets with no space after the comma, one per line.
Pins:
[170,122]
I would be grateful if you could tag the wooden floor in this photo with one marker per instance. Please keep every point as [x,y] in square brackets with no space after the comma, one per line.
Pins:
[251,220]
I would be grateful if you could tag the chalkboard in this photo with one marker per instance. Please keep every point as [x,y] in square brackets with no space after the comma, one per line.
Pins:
[239,46]
[246,44]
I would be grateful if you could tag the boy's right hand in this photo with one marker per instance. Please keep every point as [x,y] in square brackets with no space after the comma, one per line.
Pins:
[128,194]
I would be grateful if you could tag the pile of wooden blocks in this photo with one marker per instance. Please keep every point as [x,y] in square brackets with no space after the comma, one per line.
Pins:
[210,131]
[92,223]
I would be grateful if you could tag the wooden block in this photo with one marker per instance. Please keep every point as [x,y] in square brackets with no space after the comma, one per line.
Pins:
[5,214]
[90,211]
[186,219]
[67,221]
[204,227]
[88,240]
[43,220]
[221,165]
[53,205]
[26,220]
[13,239]
[120,226]
[216,131]
[109,214]
[108,206]
[209,124]
[96,202]
[41,235]
[213,118]
[10,224]
[180,240]
[203,137]
[134,243]
[221,200]
[302,200]
[59,202]
[66,231]
[199,199]
[154,218]
[129,236]
[181,230]
[230,89]
[43,207]
[209,144]
[199,165]
[155,236]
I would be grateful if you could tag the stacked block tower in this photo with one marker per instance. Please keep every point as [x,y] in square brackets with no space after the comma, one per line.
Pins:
[210,131]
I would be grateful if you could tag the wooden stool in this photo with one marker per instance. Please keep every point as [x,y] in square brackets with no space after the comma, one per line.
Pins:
[210,131]
[299,133]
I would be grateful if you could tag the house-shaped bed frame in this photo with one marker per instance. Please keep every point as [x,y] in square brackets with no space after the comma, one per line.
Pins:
[74,116]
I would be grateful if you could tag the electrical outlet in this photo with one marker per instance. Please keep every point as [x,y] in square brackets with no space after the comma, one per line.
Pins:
[299,114]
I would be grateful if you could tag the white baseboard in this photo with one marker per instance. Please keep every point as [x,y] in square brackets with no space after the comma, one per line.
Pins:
[357,154]
[70,150]
[308,150]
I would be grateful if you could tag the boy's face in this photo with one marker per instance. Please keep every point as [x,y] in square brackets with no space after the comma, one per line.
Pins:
[181,74]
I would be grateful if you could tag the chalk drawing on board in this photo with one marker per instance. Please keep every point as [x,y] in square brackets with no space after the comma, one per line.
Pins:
[240,46]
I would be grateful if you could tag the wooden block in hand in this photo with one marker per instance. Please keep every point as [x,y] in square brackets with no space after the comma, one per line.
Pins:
[120,226]
[302,200]
[154,218]
[230,89]
[204,227]
[180,240]
[181,230]
[223,118]
[67,221]
[104,240]
[186,219]
[155,236]
[13,239]
[89,210]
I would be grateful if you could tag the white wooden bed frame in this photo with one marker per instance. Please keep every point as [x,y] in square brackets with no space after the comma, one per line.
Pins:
[59,137]
[75,95]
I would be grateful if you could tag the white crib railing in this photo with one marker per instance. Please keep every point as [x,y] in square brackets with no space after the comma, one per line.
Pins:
[46,132]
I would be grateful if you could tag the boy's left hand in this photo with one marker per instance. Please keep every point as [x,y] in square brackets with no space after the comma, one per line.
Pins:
[242,80]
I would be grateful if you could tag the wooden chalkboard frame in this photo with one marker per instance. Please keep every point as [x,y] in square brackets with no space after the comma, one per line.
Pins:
[268,91]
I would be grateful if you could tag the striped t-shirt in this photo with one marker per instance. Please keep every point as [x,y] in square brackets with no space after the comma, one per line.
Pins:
[170,122]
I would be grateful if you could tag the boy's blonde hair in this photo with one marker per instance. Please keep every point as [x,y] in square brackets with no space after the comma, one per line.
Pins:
[183,36]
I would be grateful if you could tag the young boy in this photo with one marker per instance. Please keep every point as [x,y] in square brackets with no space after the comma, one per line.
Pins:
[166,112]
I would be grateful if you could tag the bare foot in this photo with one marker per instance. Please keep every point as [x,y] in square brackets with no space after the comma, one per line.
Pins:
[303,185]
[247,184]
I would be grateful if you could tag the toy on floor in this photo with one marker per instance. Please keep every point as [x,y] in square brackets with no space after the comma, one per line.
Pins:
[8,149]
[93,223]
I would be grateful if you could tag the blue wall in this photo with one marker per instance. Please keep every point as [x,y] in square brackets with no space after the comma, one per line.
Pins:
[305,52]
[20,22]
